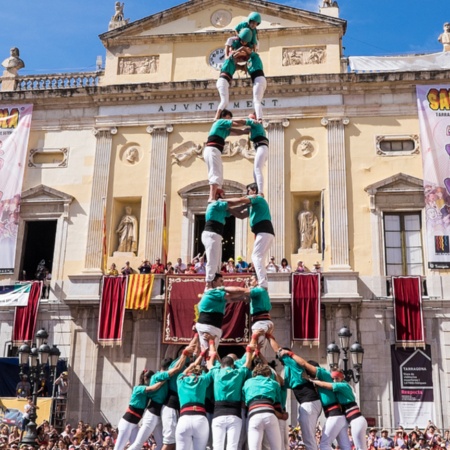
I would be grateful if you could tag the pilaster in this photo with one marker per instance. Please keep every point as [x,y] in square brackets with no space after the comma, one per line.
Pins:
[102,164]
[276,184]
[156,190]
[339,241]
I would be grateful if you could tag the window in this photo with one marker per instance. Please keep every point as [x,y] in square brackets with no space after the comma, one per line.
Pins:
[403,244]
[397,145]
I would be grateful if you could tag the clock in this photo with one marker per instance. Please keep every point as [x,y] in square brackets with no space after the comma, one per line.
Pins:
[221,18]
[217,58]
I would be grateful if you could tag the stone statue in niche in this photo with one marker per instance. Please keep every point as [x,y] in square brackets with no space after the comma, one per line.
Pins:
[308,226]
[444,38]
[128,232]
[306,147]
[13,64]
[132,155]
[118,15]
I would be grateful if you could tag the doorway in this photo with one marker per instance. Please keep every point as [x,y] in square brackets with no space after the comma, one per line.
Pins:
[228,236]
[39,244]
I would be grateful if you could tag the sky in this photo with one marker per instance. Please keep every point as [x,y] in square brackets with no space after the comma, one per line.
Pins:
[56,36]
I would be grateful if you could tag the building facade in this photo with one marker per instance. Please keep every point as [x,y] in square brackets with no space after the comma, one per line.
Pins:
[344,146]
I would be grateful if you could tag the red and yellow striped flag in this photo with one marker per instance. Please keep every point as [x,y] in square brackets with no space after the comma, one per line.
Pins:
[139,291]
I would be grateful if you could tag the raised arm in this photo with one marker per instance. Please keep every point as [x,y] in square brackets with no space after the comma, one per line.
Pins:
[154,387]
[322,384]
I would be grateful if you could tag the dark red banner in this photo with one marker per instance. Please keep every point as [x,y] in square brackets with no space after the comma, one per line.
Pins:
[182,296]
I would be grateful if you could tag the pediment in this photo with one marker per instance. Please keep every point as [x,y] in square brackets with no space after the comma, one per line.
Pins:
[396,184]
[43,194]
[210,16]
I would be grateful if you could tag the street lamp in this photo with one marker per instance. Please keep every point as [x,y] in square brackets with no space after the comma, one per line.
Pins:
[37,358]
[356,353]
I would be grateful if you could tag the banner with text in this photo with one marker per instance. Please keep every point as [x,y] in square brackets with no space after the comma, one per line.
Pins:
[15,123]
[434,118]
[413,386]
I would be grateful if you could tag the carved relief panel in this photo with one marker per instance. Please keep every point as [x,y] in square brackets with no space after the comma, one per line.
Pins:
[299,56]
[138,65]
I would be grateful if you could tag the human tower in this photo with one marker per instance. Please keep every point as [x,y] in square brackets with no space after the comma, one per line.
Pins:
[196,401]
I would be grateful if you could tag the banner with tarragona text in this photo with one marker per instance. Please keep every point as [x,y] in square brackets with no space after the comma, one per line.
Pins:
[15,123]
[433,102]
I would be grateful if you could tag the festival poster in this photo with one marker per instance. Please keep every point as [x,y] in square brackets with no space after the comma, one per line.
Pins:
[15,123]
[434,118]
[412,386]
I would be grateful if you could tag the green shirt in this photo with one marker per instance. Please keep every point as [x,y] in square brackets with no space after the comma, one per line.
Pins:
[173,380]
[228,383]
[192,388]
[293,373]
[259,300]
[217,211]
[222,128]
[254,63]
[327,397]
[213,301]
[261,387]
[139,397]
[229,66]
[160,395]
[259,210]
[254,41]
[256,129]
[344,392]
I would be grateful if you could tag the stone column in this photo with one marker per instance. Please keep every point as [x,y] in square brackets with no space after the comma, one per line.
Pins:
[156,190]
[339,245]
[102,163]
[276,184]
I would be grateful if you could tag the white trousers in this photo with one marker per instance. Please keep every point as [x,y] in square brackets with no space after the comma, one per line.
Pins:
[308,415]
[335,428]
[126,433]
[223,87]
[261,248]
[210,329]
[226,427]
[192,432]
[213,160]
[260,425]
[150,423]
[169,420]
[259,87]
[262,325]
[358,427]
[262,153]
[284,434]
[213,250]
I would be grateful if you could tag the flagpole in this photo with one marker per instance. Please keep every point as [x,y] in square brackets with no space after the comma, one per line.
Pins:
[104,247]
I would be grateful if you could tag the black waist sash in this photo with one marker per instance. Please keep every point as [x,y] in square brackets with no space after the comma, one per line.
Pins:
[214,319]
[227,409]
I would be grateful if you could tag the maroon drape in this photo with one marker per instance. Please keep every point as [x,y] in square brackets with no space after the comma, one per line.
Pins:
[306,307]
[182,296]
[112,310]
[25,316]
[409,329]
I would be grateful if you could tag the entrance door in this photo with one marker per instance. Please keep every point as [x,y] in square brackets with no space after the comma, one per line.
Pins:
[228,236]
[39,244]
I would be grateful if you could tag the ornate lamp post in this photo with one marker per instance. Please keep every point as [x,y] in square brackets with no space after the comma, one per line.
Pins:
[356,353]
[37,358]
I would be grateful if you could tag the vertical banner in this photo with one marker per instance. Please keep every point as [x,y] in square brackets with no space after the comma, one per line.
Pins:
[413,386]
[434,118]
[15,123]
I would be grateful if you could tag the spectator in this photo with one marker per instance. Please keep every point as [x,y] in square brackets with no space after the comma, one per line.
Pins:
[317,268]
[413,439]
[385,442]
[180,267]
[284,267]
[230,267]
[241,265]
[127,269]
[112,272]
[43,390]
[190,269]
[63,384]
[272,267]
[251,268]
[145,267]
[23,388]
[372,439]
[300,267]
[421,445]
[46,284]
[400,441]
[28,409]
[158,267]
[67,432]
[169,269]
[200,265]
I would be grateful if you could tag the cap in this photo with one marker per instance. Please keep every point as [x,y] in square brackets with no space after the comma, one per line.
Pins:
[65,374]
[239,258]
[373,429]
[231,260]
[384,430]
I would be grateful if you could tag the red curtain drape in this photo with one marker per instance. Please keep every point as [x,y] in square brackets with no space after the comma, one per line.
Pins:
[306,308]
[182,296]
[25,316]
[112,310]
[409,328]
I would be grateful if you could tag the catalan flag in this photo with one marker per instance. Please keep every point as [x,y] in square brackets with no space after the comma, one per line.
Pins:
[139,291]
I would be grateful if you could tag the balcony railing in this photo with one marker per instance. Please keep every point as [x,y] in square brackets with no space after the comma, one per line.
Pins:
[58,81]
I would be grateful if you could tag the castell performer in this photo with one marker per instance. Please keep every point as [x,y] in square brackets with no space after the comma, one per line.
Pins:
[346,398]
[212,153]
[256,72]
[253,20]
[259,138]
[236,50]
[257,208]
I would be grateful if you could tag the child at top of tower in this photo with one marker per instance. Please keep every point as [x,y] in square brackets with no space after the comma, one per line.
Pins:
[253,20]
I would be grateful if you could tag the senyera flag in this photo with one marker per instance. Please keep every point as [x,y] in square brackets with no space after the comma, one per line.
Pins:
[15,295]
[15,123]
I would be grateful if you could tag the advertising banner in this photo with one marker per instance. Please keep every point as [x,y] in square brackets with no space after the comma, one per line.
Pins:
[15,295]
[15,123]
[434,118]
[412,386]
[12,409]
